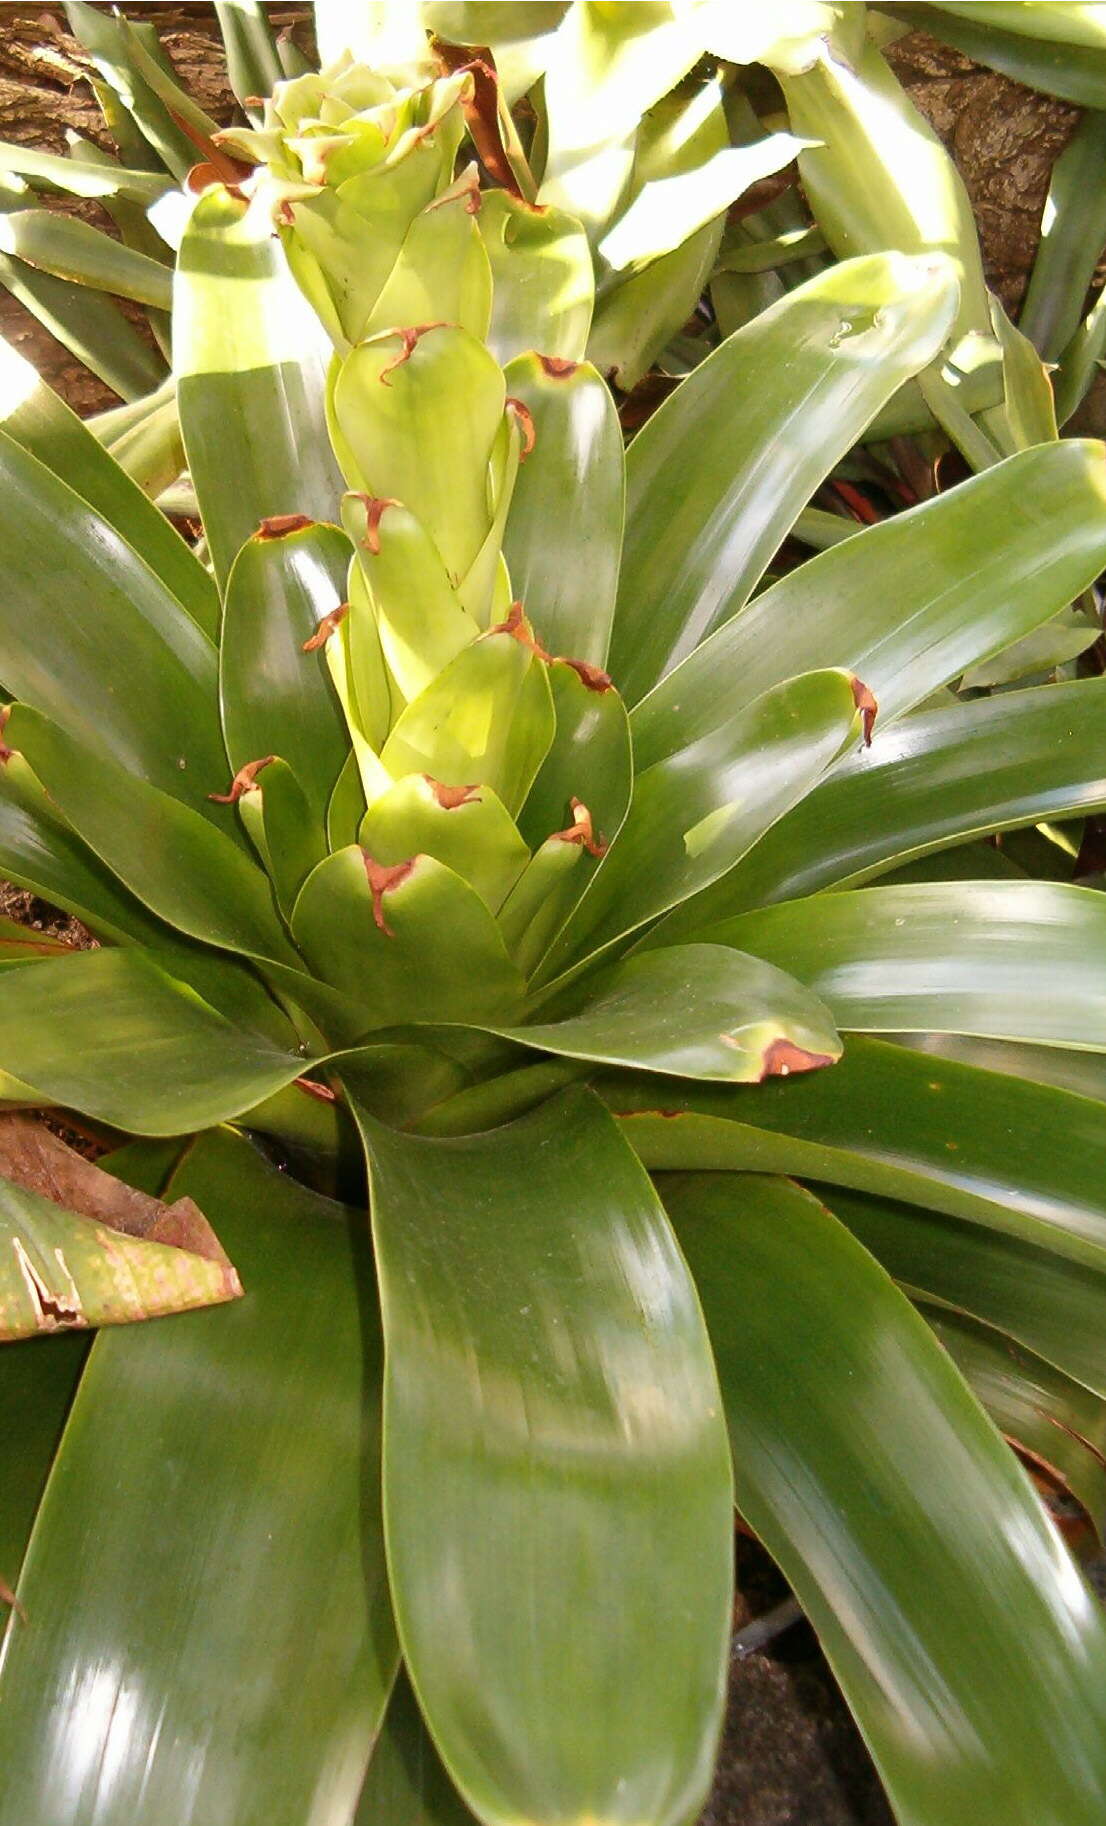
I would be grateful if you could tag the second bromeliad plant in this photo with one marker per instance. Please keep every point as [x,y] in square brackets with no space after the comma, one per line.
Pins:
[532,802]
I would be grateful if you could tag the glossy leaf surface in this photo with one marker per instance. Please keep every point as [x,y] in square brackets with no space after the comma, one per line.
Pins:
[696,812]
[967,1644]
[563,537]
[376,934]
[909,604]
[259,1624]
[131,1047]
[1048,1303]
[559,1548]
[172,858]
[1020,1158]
[249,362]
[38,420]
[103,648]
[745,441]
[1019,960]
[698,1011]
[1056,1425]
[940,777]
[277,699]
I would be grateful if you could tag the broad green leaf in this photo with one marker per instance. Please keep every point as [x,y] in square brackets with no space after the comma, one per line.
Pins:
[1080,361]
[722,469]
[937,778]
[695,813]
[33,415]
[83,255]
[241,1587]
[38,1379]
[112,44]
[174,860]
[1051,1305]
[41,852]
[442,270]
[968,1646]
[419,420]
[108,1033]
[589,762]
[786,32]
[1081,1072]
[684,135]
[277,699]
[406,1784]
[910,603]
[1019,1158]
[1058,1427]
[542,280]
[486,719]
[60,1271]
[90,325]
[285,830]
[1056,47]
[876,174]
[1018,960]
[605,70]
[697,1011]
[557,1500]
[636,321]
[375,932]
[1027,413]
[667,210]
[93,638]
[420,621]
[1064,265]
[252,61]
[467,828]
[81,177]
[563,537]
[250,365]
[519,31]
[1054,644]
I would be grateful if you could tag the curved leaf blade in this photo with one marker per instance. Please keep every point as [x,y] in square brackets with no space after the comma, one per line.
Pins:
[261,1625]
[724,485]
[560,1554]
[970,1650]
[250,379]
[1017,960]
[910,603]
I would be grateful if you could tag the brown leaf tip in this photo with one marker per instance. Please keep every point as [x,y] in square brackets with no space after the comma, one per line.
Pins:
[519,628]
[376,506]
[382,878]
[205,174]
[593,677]
[243,782]
[868,708]
[310,1088]
[6,753]
[325,628]
[783,1059]
[581,831]
[558,367]
[278,526]
[7,1596]
[450,797]
[410,338]
[525,419]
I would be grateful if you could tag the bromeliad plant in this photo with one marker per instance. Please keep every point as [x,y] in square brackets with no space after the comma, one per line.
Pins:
[485,801]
